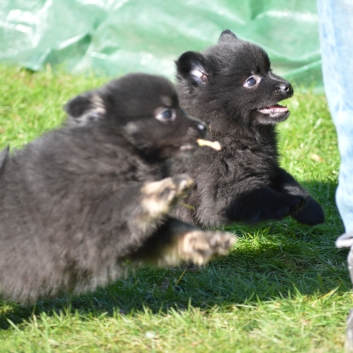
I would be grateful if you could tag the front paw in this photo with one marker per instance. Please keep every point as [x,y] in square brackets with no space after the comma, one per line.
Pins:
[295,204]
[311,213]
[158,197]
[183,183]
[290,206]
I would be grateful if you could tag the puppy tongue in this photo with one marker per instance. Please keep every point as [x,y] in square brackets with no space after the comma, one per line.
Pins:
[273,109]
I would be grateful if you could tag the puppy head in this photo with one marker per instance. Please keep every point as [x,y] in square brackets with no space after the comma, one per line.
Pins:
[144,110]
[235,76]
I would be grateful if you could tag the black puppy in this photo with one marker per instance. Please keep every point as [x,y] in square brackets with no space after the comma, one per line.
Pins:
[82,200]
[231,87]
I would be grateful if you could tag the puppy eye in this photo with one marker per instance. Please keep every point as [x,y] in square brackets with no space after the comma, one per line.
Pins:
[166,114]
[250,82]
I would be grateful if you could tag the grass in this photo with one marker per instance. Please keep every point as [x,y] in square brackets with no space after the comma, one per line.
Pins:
[284,287]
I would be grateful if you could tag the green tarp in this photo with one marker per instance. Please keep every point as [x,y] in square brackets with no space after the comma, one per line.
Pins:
[113,37]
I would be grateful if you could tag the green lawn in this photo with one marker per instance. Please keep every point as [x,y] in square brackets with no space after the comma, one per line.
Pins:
[284,287]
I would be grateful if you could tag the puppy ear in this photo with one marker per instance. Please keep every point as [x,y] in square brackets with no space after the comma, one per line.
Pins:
[85,108]
[227,36]
[192,66]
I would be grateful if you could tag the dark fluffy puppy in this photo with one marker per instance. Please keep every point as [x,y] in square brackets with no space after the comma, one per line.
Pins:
[82,200]
[231,87]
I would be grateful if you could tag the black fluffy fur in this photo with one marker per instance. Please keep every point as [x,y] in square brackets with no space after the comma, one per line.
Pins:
[82,200]
[226,86]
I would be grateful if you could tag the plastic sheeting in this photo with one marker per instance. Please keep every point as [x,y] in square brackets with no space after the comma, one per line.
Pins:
[113,37]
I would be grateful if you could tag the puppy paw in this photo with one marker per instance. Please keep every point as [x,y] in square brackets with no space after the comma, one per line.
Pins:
[182,182]
[200,247]
[311,213]
[289,206]
[158,197]
[295,203]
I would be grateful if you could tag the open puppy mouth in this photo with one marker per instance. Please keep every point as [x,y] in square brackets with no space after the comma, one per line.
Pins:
[273,110]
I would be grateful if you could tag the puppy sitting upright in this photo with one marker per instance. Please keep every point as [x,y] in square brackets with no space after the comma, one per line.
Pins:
[82,200]
[231,87]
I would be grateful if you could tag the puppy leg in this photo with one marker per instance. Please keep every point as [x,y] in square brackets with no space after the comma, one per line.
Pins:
[256,202]
[176,242]
[129,216]
[311,213]
[158,197]
[145,208]
[250,201]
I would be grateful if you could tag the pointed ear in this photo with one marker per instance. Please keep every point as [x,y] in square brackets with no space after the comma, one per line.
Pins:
[86,107]
[192,67]
[227,36]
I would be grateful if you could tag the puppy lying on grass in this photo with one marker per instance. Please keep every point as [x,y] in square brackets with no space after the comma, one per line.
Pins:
[232,87]
[83,200]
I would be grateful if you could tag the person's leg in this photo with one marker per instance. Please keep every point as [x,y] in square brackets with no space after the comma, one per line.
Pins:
[336,31]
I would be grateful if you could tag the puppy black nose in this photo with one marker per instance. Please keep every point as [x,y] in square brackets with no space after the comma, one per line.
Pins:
[286,87]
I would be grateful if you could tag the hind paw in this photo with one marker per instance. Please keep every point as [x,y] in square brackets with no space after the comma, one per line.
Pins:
[200,247]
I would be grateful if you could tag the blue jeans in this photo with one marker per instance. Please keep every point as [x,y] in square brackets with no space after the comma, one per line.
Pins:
[336,38]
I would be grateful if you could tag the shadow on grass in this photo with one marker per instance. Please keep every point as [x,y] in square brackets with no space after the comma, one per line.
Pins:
[271,261]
